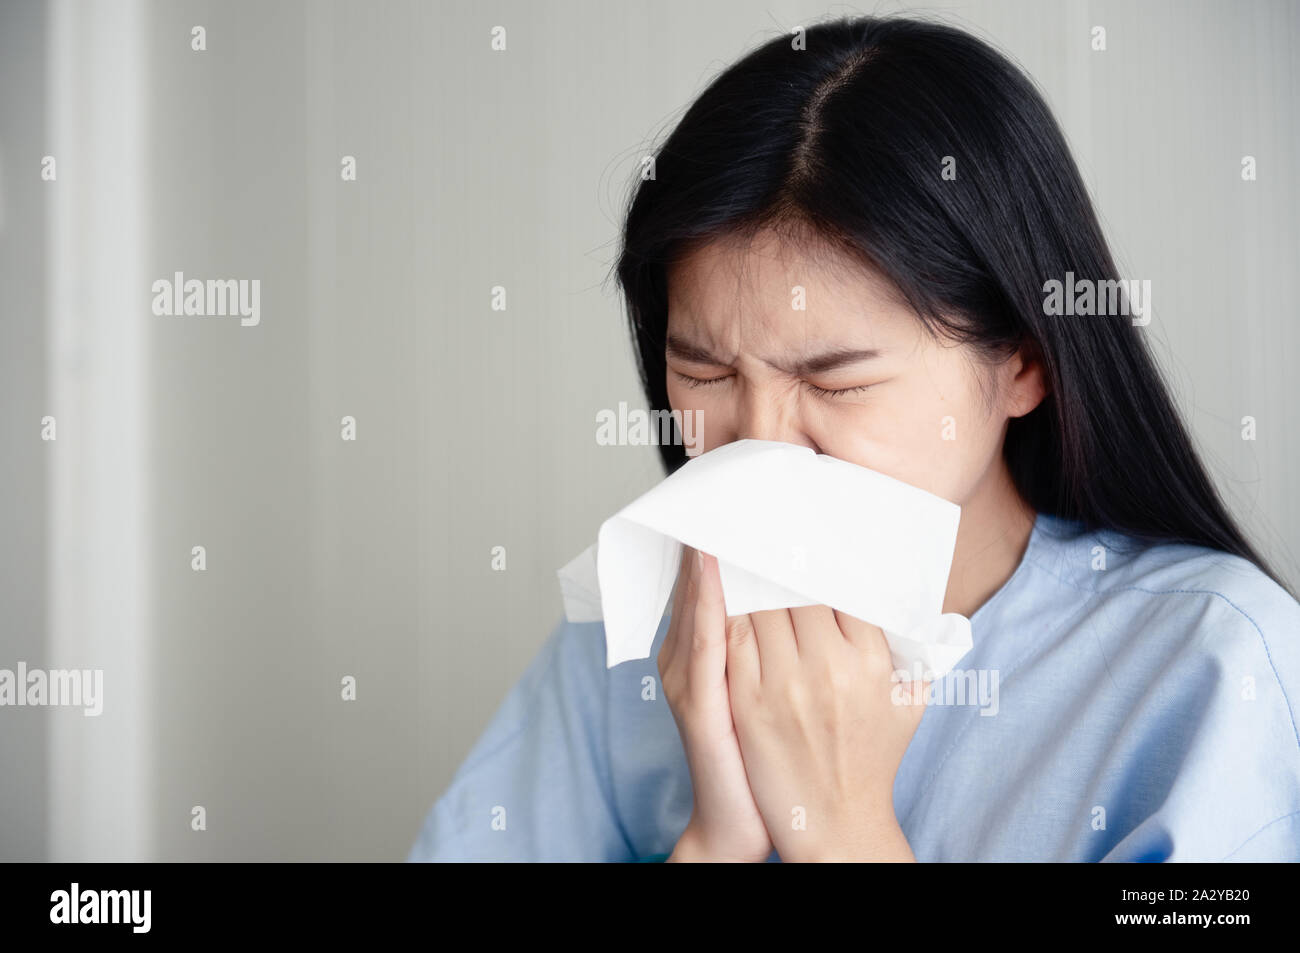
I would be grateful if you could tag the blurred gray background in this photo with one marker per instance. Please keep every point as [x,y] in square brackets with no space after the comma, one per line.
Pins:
[475,427]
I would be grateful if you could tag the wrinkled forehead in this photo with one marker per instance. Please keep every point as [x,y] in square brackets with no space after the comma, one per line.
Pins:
[773,291]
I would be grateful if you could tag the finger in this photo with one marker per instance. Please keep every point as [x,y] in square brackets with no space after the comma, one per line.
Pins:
[744,669]
[682,621]
[777,649]
[817,634]
[708,644]
[863,635]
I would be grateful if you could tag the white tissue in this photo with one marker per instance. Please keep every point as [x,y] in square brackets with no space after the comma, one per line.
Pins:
[789,527]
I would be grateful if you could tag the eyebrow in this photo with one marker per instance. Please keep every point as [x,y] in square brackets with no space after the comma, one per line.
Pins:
[828,360]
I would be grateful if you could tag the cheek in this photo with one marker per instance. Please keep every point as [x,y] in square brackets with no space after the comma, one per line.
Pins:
[952,443]
[920,435]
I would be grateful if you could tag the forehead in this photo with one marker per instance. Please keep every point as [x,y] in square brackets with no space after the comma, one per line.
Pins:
[776,290]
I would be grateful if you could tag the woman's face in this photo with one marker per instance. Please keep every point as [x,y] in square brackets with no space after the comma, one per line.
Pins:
[853,375]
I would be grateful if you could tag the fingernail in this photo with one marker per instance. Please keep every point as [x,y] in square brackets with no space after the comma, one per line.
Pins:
[699,561]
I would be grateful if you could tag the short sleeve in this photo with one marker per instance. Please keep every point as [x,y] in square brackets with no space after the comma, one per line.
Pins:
[536,786]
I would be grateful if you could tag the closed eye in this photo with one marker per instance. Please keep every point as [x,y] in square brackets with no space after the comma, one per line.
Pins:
[700,381]
[841,392]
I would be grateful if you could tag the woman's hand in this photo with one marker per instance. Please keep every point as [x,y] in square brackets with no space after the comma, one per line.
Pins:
[725,823]
[822,728]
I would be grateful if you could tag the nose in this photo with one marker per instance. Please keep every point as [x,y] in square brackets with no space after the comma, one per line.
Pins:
[766,415]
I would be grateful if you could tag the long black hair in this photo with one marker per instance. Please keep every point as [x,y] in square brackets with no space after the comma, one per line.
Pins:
[844,137]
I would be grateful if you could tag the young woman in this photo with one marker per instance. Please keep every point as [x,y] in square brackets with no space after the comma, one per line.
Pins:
[1135,664]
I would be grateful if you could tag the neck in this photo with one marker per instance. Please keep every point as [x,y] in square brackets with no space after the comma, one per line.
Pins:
[992,536]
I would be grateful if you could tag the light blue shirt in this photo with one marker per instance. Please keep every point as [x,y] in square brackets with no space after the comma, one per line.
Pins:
[1124,706]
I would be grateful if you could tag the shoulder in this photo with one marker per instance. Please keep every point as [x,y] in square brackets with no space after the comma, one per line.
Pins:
[1195,613]
[569,669]
[1204,652]
[542,762]
[562,684]
[1215,600]
[570,674]
[578,647]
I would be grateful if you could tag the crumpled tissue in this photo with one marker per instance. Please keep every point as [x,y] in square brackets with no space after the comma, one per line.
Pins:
[789,527]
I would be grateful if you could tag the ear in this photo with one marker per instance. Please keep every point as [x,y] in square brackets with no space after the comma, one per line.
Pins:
[1026,381]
